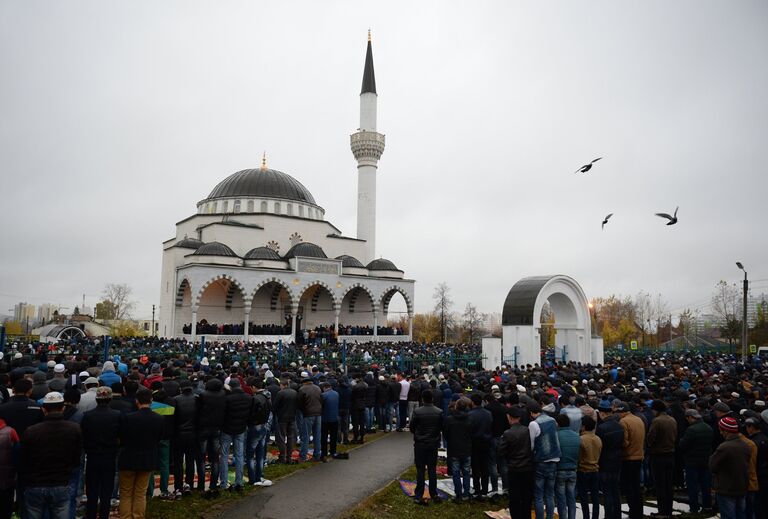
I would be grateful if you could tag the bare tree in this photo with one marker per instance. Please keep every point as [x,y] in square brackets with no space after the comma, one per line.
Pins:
[725,306]
[473,323]
[443,304]
[118,295]
[643,312]
[660,313]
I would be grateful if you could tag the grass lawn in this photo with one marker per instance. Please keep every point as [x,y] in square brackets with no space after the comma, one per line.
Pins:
[195,506]
[390,502]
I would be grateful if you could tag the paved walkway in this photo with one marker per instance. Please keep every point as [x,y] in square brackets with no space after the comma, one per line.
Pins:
[328,489]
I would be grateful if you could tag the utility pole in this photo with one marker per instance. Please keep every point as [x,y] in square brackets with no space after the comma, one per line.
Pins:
[744,316]
[152,332]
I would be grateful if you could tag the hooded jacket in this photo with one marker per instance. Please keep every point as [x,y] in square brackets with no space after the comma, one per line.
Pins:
[211,408]
[458,434]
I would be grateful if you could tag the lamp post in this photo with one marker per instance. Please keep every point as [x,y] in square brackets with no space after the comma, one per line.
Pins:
[744,316]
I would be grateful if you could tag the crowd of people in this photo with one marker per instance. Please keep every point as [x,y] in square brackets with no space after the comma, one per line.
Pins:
[543,435]
[308,335]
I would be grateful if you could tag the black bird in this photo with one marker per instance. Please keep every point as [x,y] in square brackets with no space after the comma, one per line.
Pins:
[672,219]
[587,167]
[606,220]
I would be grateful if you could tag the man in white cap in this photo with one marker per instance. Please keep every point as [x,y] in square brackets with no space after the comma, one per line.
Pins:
[88,399]
[47,465]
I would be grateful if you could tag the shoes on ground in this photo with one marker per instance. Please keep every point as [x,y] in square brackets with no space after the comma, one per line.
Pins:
[263,483]
[420,502]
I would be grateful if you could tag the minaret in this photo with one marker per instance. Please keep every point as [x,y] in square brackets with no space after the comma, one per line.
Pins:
[367,147]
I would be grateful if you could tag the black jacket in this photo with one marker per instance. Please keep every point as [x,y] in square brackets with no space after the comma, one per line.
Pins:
[262,406]
[185,416]
[382,393]
[426,425]
[696,445]
[285,405]
[515,448]
[499,415]
[50,450]
[457,433]
[611,433]
[310,399]
[358,395]
[20,412]
[370,392]
[211,410]
[345,395]
[481,423]
[101,430]
[140,434]
[761,441]
[124,404]
[238,407]
[394,391]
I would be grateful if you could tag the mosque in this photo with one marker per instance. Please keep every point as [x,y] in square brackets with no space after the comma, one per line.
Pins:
[258,260]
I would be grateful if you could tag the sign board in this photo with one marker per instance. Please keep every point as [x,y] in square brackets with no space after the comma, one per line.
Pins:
[632,345]
[753,348]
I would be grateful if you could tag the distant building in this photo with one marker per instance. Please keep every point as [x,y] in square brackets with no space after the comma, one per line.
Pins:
[45,313]
[24,312]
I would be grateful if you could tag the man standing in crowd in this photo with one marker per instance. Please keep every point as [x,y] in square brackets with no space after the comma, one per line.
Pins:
[359,389]
[258,433]
[237,410]
[661,439]
[565,481]
[329,426]
[405,386]
[546,455]
[311,407]
[185,443]
[632,457]
[212,402]
[458,435]
[426,425]
[729,465]
[285,413]
[756,436]
[515,451]
[139,437]
[587,480]
[481,428]
[50,451]
[101,433]
[696,447]
[611,435]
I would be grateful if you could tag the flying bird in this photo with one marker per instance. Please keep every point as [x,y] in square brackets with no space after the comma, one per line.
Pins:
[672,219]
[606,220]
[587,167]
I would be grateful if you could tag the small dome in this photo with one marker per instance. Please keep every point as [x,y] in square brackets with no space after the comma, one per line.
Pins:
[382,264]
[214,249]
[349,261]
[267,183]
[190,243]
[305,249]
[262,253]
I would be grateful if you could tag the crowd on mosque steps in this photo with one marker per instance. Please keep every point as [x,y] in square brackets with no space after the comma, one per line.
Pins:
[309,335]
[542,435]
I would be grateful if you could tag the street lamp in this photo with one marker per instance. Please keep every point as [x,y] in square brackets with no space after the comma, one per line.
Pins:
[744,316]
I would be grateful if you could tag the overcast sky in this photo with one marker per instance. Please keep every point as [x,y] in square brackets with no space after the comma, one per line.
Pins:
[117,117]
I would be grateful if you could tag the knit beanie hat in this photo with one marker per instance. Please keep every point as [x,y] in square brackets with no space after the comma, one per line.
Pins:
[728,424]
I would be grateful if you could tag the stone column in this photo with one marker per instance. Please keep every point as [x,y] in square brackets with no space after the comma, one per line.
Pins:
[294,313]
[336,312]
[246,318]
[194,324]
[375,324]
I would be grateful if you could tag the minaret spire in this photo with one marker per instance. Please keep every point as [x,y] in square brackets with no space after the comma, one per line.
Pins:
[263,161]
[369,78]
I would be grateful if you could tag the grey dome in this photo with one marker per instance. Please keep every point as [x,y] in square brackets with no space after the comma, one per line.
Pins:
[214,249]
[267,183]
[382,264]
[306,249]
[349,261]
[262,253]
[190,243]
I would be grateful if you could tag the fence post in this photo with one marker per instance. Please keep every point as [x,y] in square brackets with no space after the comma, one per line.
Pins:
[451,353]
[106,347]
[280,353]
[344,355]
[202,347]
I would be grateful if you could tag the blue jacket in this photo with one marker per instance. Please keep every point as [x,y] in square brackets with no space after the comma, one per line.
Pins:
[570,443]
[109,377]
[330,406]
[546,446]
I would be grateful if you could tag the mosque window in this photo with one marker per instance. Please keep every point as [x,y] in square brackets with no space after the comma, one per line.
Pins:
[225,206]
[215,207]
[250,206]
[277,207]
[290,209]
[301,211]
[263,207]
[236,207]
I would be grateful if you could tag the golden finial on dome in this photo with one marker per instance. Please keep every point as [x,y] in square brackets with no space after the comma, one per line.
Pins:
[369,35]
[264,161]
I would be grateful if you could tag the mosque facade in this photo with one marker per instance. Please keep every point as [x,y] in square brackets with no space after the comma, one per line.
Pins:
[259,261]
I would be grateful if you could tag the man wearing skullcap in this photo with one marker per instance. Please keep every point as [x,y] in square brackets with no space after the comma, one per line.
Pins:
[730,470]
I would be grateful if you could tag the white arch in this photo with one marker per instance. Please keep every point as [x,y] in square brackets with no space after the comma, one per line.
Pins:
[286,286]
[227,277]
[332,293]
[389,292]
[350,288]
